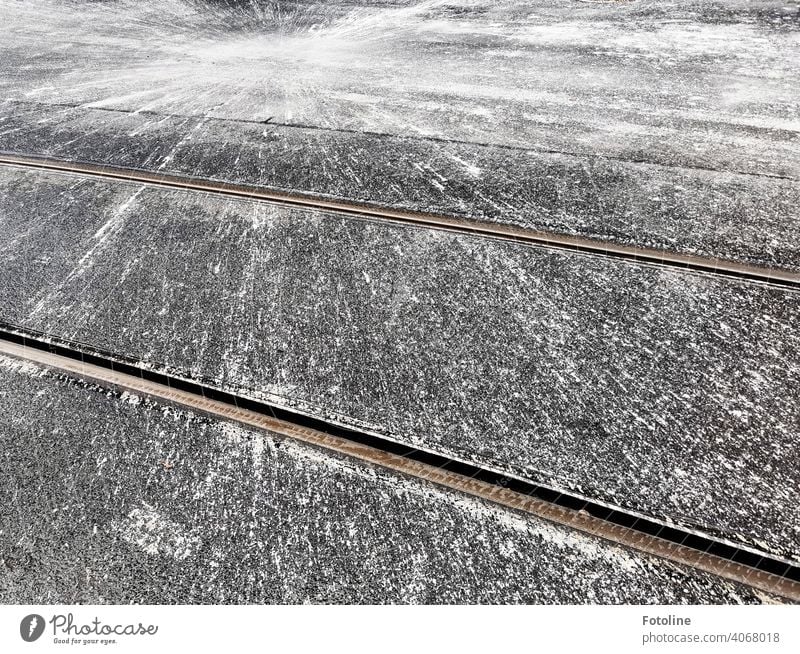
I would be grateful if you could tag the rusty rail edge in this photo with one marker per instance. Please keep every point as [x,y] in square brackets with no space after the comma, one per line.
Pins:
[461,225]
[785,585]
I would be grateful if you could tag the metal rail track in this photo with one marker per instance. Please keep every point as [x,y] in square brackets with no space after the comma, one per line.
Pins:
[701,264]
[728,560]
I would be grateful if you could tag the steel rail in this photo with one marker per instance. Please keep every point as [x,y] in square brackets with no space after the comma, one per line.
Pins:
[759,570]
[462,225]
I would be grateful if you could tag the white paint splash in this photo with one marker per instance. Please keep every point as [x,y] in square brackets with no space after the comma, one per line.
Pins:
[10,364]
[107,229]
[157,535]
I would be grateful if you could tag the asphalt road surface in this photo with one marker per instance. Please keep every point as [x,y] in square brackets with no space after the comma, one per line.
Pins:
[671,126]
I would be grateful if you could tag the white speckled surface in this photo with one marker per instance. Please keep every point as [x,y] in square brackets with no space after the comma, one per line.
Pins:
[242,517]
[671,125]
[668,124]
[672,393]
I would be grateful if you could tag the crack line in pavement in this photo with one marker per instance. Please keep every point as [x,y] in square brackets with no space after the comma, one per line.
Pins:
[414,137]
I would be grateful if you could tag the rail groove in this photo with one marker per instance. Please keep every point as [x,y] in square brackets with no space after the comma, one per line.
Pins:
[474,227]
[725,559]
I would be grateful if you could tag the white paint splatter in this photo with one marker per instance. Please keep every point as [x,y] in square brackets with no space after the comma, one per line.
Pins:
[157,535]
[11,364]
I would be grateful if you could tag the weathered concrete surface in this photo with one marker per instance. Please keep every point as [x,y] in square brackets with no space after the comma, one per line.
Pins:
[670,393]
[112,499]
[664,124]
